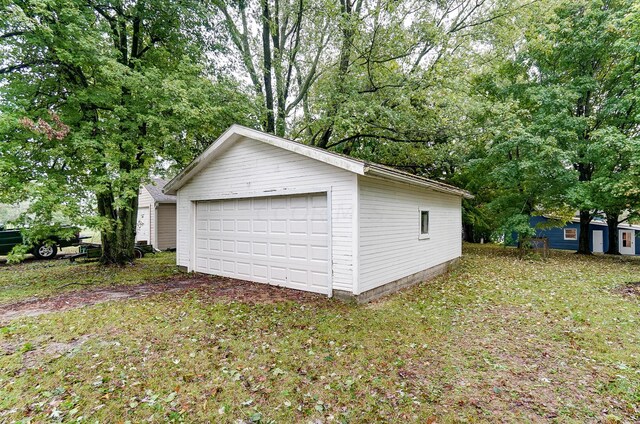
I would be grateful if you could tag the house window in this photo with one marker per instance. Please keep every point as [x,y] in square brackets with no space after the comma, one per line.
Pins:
[424,224]
[626,239]
[571,234]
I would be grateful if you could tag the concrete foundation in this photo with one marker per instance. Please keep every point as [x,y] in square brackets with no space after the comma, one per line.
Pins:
[394,286]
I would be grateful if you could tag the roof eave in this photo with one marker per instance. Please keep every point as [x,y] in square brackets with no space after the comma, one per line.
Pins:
[238,131]
[374,170]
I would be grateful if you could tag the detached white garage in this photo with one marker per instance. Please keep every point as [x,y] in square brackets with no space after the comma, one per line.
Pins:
[262,208]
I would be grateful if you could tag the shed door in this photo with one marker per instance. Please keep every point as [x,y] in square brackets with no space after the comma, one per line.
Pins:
[143,225]
[627,242]
[279,240]
[598,241]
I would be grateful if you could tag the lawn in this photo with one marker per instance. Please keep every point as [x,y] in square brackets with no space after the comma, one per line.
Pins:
[498,339]
[44,278]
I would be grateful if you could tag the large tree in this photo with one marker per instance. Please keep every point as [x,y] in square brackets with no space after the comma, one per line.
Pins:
[279,45]
[570,78]
[94,95]
[585,80]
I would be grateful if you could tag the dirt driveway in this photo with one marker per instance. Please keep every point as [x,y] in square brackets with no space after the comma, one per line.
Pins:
[210,286]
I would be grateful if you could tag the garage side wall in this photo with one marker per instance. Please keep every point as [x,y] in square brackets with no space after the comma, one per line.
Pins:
[389,231]
[145,200]
[166,229]
[252,168]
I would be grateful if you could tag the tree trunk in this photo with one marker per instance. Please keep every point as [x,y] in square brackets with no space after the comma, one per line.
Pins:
[612,225]
[348,14]
[585,235]
[269,122]
[118,240]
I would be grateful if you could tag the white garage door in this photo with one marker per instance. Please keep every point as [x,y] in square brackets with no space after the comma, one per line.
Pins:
[280,240]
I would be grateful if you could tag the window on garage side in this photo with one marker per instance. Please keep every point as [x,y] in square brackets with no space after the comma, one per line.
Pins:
[571,234]
[424,224]
[626,239]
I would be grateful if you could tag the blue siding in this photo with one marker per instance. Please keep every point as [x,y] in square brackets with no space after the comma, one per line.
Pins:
[556,235]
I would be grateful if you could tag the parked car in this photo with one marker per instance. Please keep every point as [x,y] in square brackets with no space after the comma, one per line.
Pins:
[46,248]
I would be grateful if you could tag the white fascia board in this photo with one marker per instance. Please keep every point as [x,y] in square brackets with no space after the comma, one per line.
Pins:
[389,174]
[236,132]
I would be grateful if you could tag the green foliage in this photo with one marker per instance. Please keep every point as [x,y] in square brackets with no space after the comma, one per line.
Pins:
[18,254]
[98,96]
[561,115]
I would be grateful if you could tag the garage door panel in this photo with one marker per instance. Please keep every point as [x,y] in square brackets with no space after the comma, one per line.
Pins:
[243,269]
[278,274]
[279,202]
[228,225]
[259,248]
[228,246]
[243,247]
[298,226]
[280,240]
[243,225]
[214,265]
[299,251]
[319,201]
[259,204]
[318,279]
[260,226]
[215,245]
[214,226]
[278,250]
[319,253]
[244,205]
[229,266]
[319,227]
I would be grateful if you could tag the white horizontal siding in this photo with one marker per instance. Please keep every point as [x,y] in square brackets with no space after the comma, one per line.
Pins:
[145,200]
[389,227]
[250,166]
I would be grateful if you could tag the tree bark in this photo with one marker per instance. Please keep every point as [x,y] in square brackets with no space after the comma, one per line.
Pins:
[585,236]
[269,124]
[612,225]
[118,240]
[349,14]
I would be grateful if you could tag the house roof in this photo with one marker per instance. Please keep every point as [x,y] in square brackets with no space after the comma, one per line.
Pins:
[600,222]
[360,167]
[155,190]
[621,226]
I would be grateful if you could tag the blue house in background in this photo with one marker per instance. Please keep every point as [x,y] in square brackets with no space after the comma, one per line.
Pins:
[566,238]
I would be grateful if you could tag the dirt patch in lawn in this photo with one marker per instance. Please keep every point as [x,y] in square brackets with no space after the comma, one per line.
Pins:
[34,358]
[629,289]
[213,288]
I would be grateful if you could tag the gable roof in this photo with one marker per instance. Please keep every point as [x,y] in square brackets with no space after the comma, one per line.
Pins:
[155,190]
[360,167]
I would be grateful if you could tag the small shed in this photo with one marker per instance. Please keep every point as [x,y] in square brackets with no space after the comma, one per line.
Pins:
[156,216]
[567,236]
[262,208]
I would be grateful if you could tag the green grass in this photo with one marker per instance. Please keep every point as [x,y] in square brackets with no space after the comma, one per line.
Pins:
[499,339]
[45,278]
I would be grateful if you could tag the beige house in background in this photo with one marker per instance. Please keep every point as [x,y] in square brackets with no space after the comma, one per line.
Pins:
[156,216]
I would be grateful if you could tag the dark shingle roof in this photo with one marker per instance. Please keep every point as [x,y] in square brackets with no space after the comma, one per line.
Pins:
[155,190]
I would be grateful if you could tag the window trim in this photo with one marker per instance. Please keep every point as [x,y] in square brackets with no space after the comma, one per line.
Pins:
[564,233]
[421,235]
